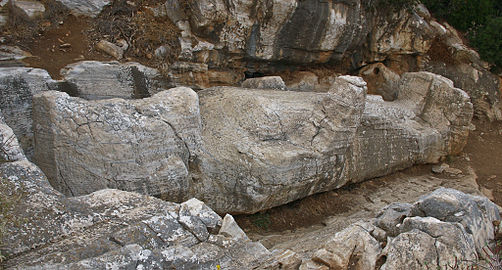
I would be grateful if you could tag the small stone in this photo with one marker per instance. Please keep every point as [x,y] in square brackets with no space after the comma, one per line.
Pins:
[89,8]
[111,49]
[453,171]
[28,9]
[230,228]
[440,168]
[267,82]
[8,53]
[161,52]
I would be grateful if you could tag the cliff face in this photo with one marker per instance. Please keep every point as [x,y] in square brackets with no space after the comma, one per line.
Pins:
[269,36]
[205,43]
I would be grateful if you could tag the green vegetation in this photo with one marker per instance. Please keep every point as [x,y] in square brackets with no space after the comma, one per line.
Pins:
[395,5]
[480,20]
[261,220]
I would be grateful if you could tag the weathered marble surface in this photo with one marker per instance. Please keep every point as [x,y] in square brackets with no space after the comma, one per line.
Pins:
[243,150]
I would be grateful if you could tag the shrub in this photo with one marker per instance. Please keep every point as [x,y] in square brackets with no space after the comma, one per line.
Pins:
[488,40]
[395,5]
[480,20]
[462,14]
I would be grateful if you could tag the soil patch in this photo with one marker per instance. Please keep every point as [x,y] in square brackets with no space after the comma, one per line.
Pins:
[61,45]
[60,39]
[440,52]
[484,150]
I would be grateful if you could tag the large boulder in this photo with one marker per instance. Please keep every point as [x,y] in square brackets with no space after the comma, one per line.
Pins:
[434,232]
[17,87]
[429,120]
[43,229]
[102,80]
[139,145]
[266,147]
[247,149]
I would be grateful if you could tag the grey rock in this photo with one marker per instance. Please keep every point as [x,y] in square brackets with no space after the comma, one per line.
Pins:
[381,81]
[348,34]
[267,82]
[110,228]
[230,228]
[474,213]
[283,259]
[453,171]
[90,8]
[429,242]
[193,75]
[419,242]
[400,33]
[17,87]
[429,120]
[440,168]
[140,145]
[390,218]
[161,52]
[304,81]
[12,53]
[469,73]
[290,144]
[10,150]
[27,9]
[111,49]
[354,241]
[101,80]
[274,146]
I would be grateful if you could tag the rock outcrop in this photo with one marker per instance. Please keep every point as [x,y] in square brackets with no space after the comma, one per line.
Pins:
[245,150]
[17,87]
[139,145]
[118,229]
[440,230]
[266,36]
[101,80]
[113,229]
[87,79]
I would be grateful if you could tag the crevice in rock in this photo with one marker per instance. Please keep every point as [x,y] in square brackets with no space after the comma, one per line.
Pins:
[140,85]
[178,137]
[380,261]
[437,253]
[70,88]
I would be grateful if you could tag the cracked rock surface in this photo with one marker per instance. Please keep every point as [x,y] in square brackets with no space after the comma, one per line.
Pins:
[244,150]
[113,229]
[118,229]
[419,239]
[17,87]
[141,145]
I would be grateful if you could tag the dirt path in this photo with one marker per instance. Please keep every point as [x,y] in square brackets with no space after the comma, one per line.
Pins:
[484,150]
